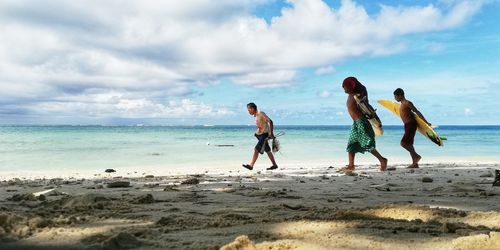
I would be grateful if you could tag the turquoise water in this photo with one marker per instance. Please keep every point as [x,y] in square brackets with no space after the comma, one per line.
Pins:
[89,148]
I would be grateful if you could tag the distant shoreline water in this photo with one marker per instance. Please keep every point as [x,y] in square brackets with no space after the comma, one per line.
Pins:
[84,148]
[217,125]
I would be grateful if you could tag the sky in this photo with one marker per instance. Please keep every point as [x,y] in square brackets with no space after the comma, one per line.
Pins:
[195,62]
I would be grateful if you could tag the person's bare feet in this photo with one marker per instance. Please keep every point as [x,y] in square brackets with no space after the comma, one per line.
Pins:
[413,166]
[415,162]
[347,168]
[383,164]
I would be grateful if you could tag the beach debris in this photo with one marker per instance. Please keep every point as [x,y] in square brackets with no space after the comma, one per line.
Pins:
[86,203]
[144,199]
[166,221]
[427,179]
[191,181]
[109,170]
[151,185]
[149,176]
[241,242]
[122,240]
[118,184]
[364,175]
[39,222]
[351,173]
[297,207]
[170,188]
[25,197]
[391,169]
[14,181]
[487,175]
[384,186]
[235,216]
[50,192]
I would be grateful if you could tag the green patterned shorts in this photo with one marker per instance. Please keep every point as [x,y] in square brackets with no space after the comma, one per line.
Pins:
[362,137]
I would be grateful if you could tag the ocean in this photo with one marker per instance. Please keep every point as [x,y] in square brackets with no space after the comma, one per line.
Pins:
[166,149]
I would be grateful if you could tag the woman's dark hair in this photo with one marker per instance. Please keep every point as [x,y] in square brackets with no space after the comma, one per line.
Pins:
[252,105]
[399,92]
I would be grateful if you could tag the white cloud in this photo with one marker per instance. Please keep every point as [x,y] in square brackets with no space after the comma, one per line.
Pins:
[325,70]
[324,94]
[266,79]
[117,104]
[57,48]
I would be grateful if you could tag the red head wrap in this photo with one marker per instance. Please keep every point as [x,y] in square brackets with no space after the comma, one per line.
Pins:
[350,83]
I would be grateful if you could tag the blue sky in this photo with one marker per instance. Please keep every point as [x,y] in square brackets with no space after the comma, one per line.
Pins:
[200,61]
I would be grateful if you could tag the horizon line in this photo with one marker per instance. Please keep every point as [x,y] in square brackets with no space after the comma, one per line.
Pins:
[215,125]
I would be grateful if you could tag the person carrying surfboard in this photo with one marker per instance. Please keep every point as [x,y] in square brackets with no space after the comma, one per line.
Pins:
[362,136]
[407,113]
[265,131]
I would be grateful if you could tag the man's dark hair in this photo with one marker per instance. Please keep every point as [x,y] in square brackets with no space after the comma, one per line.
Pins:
[399,92]
[252,105]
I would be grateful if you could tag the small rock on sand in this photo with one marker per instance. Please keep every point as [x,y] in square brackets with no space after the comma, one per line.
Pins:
[427,179]
[166,221]
[118,184]
[109,170]
[351,173]
[190,181]
[122,241]
[487,175]
[144,199]
[26,197]
[240,243]
[39,222]
[149,176]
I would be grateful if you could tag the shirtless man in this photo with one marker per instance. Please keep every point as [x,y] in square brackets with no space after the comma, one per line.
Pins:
[265,131]
[362,137]
[407,112]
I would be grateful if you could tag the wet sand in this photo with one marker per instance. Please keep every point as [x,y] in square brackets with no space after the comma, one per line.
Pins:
[439,206]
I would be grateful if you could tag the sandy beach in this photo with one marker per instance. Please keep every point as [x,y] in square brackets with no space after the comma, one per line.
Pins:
[439,206]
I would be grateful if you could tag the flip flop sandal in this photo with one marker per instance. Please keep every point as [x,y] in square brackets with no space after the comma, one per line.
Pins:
[272,167]
[247,166]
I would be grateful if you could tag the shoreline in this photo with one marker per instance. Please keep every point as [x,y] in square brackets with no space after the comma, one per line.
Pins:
[308,208]
[186,169]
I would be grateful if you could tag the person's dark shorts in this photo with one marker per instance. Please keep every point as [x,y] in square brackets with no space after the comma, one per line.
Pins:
[262,145]
[409,136]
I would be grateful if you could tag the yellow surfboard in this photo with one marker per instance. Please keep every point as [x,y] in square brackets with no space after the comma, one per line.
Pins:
[422,126]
